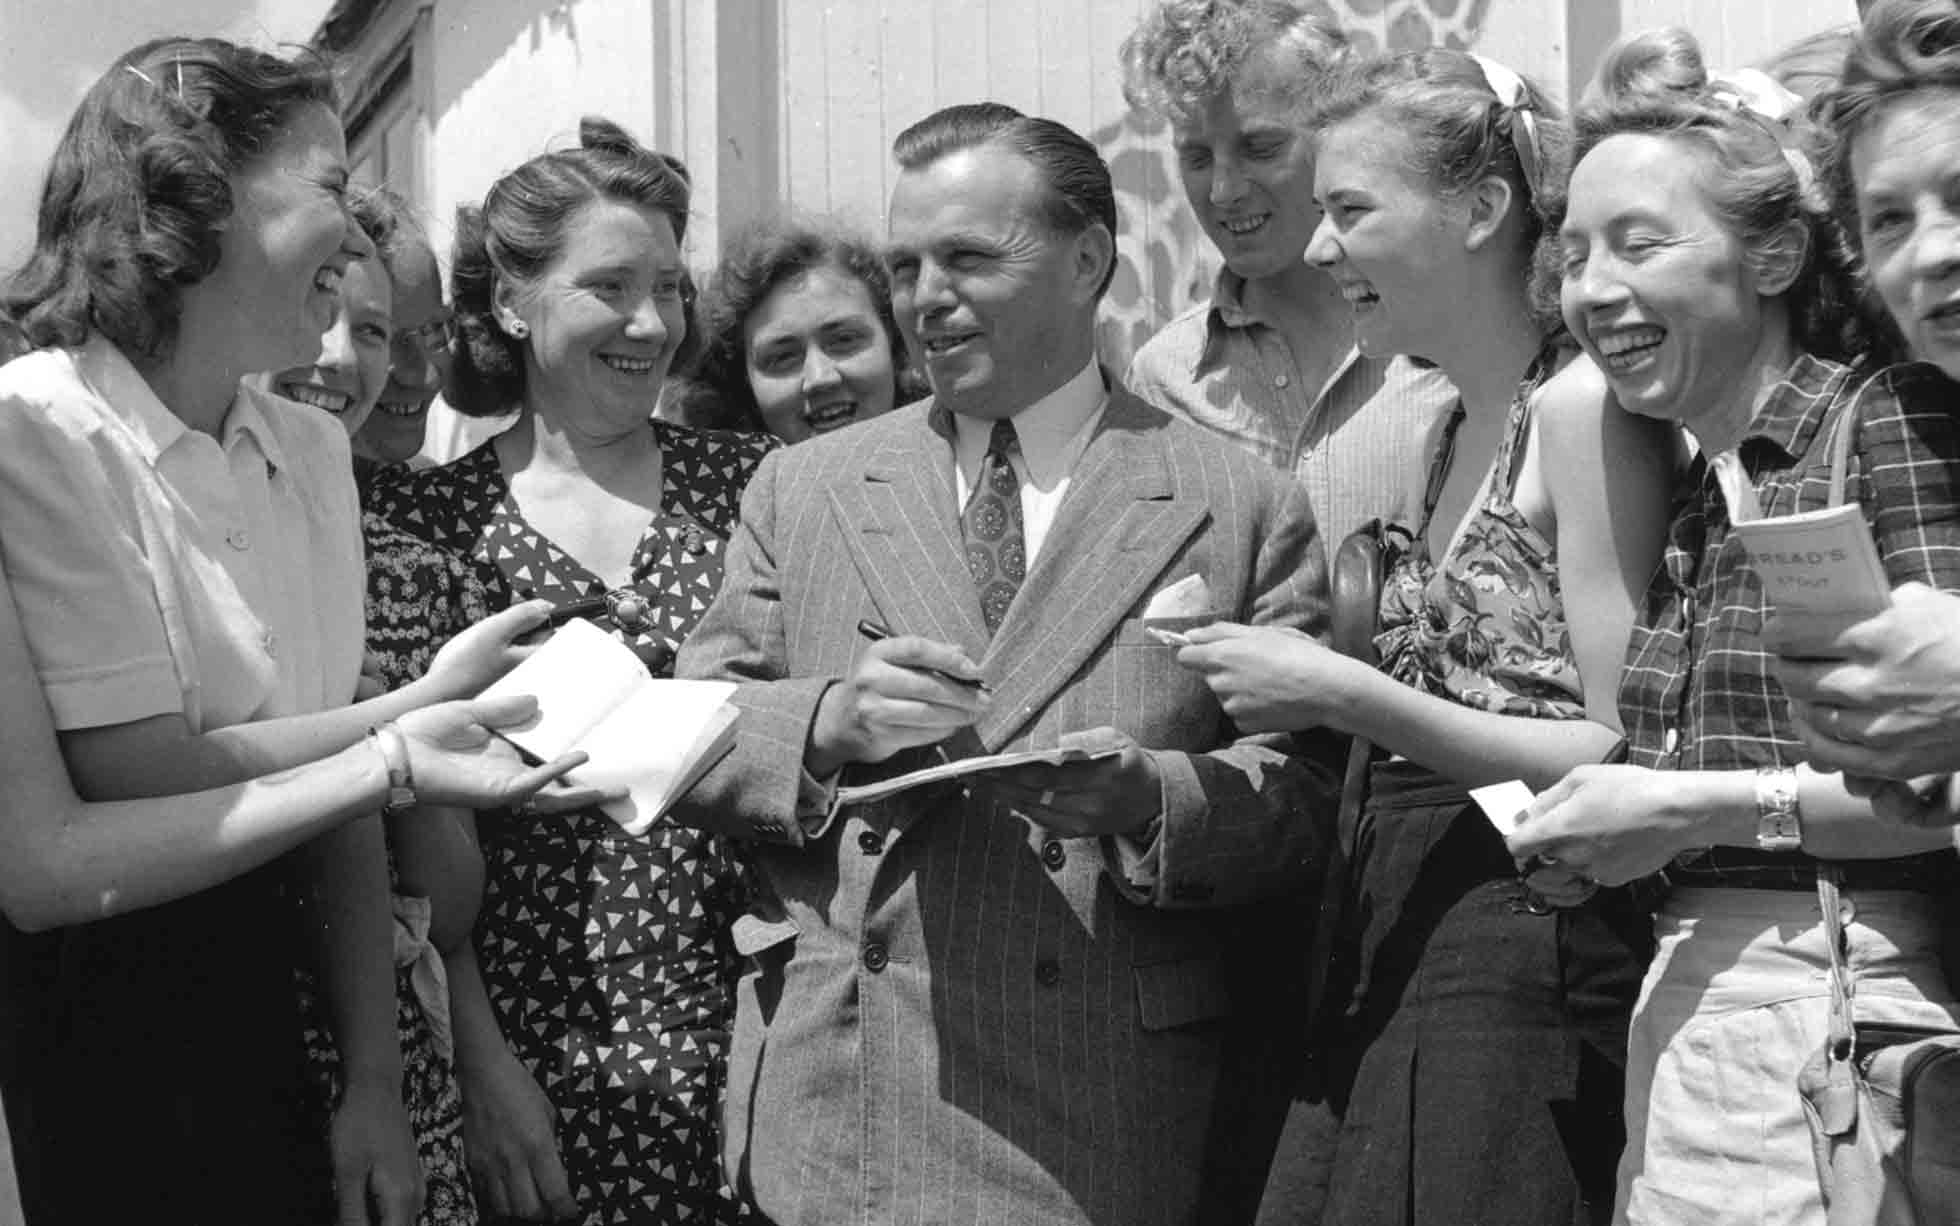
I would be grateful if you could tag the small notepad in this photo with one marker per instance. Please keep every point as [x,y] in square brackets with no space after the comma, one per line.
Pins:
[652,737]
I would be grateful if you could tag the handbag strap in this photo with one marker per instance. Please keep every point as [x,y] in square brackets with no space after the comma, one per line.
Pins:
[1831,905]
[1834,1094]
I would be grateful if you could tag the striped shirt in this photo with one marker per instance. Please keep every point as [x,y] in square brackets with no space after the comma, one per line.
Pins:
[1699,691]
[1356,443]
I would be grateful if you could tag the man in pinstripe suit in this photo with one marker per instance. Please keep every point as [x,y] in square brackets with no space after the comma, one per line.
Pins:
[997,1003]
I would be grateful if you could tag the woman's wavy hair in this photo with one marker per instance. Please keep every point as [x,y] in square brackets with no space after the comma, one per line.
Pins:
[140,187]
[1759,178]
[518,233]
[1461,132]
[390,224]
[1905,49]
[755,262]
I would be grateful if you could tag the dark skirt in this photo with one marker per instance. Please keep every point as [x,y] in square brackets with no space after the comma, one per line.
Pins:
[1476,1049]
[159,1072]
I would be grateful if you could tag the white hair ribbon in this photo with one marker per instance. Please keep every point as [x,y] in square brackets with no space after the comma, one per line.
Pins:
[1756,94]
[1512,92]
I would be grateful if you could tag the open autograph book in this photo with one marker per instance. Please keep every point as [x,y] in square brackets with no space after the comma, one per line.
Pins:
[653,737]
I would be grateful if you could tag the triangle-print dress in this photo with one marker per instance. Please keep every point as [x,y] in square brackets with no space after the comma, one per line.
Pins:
[606,956]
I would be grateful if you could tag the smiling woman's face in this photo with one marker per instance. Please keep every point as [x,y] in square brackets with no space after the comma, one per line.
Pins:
[1657,288]
[347,376]
[818,356]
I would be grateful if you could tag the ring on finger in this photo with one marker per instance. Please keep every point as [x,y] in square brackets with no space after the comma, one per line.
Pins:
[1834,726]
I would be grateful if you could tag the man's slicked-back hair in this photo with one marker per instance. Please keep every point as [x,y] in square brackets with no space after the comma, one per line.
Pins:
[1079,193]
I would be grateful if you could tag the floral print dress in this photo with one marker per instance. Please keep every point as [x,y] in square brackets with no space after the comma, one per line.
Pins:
[418,597]
[1481,1033]
[1487,628]
[606,955]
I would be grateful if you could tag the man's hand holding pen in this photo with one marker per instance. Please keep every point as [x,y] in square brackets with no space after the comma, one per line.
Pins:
[902,691]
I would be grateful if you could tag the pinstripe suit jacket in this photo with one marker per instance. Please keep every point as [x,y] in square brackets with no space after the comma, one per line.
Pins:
[949,1015]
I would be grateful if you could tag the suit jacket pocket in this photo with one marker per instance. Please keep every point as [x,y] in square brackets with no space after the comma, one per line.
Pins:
[1181,993]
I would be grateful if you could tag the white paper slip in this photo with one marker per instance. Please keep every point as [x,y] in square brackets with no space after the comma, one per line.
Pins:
[866,792]
[1818,567]
[653,738]
[1504,803]
[1187,598]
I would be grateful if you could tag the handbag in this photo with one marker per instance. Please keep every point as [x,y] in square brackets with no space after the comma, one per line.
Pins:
[1354,592]
[1882,1101]
[1883,1104]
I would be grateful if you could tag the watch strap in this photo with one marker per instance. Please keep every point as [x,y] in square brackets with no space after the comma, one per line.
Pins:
[1779,819]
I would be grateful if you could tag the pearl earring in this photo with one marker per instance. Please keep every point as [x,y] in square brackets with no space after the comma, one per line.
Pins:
[517,328]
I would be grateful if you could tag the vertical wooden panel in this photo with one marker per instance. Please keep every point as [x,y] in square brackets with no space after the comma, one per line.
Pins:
[912,47]
[1070,63]
[748,107]
[805,118]
[857,104]
[961,62]
[1014,53]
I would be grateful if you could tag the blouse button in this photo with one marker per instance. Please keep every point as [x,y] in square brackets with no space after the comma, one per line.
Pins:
[238,539]
[1282,380]
[271,642]
[1672,741]
[694,541]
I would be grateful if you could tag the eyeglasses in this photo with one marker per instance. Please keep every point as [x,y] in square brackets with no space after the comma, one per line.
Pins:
[428,341]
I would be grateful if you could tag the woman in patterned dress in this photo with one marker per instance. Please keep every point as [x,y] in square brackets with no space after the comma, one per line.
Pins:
[602,955]
[419,596]
[1476,1033]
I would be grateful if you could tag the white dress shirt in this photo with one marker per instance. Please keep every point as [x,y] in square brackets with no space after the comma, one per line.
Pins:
[1053,432]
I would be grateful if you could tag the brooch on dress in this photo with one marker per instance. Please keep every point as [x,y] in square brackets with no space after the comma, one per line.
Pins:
[630,611]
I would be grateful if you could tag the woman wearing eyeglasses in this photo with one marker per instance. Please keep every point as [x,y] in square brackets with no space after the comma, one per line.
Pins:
[418,354]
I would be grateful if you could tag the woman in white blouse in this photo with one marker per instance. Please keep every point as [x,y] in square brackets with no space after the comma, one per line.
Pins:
[184,558]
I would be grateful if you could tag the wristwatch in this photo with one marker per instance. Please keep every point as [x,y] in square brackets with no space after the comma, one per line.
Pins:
[1779,819]
[393,748]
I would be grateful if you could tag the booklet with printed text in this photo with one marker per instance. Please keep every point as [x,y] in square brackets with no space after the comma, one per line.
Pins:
[1820,569]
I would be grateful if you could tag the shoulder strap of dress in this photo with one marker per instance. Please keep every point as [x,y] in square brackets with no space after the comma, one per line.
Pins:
[1510,452]
[1439,470]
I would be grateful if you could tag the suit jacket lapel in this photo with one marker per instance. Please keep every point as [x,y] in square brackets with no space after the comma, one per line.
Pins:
[1114,534]
[901,519]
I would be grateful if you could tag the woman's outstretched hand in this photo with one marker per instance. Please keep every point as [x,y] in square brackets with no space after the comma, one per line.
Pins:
[458,759]
[486,651]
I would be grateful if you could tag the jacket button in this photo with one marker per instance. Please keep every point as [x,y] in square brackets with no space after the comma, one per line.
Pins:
[1047,972]
[870,842]
[876,956]
[1054,855]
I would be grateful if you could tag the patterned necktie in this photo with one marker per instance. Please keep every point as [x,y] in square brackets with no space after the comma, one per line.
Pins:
[996,548]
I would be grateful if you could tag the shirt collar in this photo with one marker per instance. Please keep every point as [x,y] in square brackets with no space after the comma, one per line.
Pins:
[128,396]
[154,427]
[1052,431]
[1230,312]
[1796,407]
[1227,313]
[251,418]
